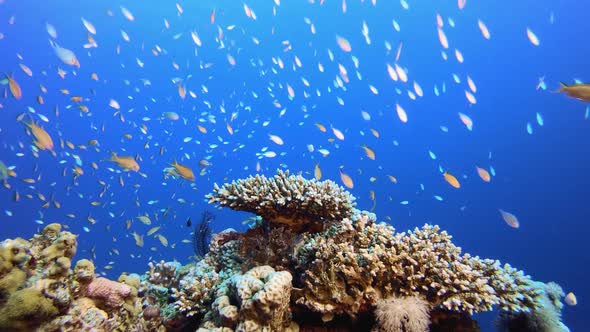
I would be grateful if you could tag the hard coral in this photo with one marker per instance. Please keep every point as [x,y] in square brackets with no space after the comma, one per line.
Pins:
[255,301]
[111,293]
[164,274]
[351,266]
[39,290]
[196,289]
[25,310]
[303,205]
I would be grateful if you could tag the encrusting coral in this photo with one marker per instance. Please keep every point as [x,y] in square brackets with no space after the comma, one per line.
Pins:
[312,261]
[287,199]
[257,300]
[39,291]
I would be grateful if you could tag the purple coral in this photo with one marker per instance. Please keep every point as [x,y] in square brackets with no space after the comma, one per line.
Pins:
[112,293]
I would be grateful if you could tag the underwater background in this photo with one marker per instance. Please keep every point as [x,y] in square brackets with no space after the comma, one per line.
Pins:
[252,69]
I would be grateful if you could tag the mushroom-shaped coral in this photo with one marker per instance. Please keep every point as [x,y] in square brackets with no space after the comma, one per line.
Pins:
[288,199]
[111,293]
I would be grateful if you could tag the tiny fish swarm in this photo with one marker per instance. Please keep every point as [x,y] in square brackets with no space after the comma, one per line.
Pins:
[287,199]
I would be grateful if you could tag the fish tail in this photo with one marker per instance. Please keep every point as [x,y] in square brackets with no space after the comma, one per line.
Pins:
[113,157]
[562,86]
[29,123]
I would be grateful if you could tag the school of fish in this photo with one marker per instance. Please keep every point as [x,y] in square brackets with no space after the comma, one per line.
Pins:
[222,107]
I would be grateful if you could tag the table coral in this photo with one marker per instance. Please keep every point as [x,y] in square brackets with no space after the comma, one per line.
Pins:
[287,199]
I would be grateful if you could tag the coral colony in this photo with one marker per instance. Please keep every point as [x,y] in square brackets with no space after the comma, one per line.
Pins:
[313,263]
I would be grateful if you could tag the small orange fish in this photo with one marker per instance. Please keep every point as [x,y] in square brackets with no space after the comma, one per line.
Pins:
[126,162]
[483,174]
[578,91]
[181,91]
[317,172]
[509,218]
[346,179]
[15,89]
[452,180]
[369,152]
[42,139]
[212,17]
[184,171]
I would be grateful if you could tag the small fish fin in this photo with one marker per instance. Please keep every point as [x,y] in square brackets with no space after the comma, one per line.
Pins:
[112,157]
[38,145]
[561,87]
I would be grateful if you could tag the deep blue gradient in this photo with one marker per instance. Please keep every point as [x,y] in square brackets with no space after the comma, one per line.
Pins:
[541,177]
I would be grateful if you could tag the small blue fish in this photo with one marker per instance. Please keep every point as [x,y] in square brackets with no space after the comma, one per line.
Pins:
[540,119]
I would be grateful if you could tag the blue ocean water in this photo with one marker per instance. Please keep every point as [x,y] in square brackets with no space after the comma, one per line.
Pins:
[249,59]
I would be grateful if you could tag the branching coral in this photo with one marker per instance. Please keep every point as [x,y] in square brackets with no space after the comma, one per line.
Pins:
[288,199]
[164,274]
[267,244]
[196,289]
[543,316]
[349,267]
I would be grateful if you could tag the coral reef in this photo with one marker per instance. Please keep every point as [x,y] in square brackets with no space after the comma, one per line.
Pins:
[311,263]
[40,291]
[303,205]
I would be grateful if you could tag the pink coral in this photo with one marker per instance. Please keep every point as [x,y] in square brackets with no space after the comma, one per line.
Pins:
[112,293]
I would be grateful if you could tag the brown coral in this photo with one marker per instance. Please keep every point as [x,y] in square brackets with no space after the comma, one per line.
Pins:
[351,266]
[303,205]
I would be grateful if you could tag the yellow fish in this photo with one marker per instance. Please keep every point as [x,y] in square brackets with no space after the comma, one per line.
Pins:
[15,89]
[369,152]
[452,180]
[317,172]
[125,162]
[184,171]
[42,139]
[579,91]
[346,179]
